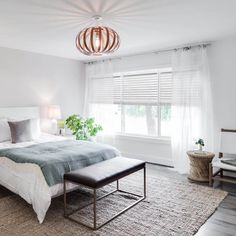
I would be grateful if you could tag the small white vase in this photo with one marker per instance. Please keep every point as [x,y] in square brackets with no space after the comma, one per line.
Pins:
[200,147]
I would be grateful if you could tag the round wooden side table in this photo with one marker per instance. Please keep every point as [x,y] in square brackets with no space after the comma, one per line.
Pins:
[199,166]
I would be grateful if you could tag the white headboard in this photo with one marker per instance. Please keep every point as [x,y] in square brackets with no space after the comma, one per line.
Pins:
[19,113]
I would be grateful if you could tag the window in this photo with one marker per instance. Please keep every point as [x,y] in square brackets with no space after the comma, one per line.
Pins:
[140,102]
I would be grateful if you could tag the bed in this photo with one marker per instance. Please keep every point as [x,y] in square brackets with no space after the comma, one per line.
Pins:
[27,178]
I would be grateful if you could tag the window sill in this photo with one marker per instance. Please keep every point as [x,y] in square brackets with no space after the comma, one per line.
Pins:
[142,138]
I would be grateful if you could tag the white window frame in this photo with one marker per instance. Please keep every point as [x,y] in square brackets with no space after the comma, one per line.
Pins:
[130,135]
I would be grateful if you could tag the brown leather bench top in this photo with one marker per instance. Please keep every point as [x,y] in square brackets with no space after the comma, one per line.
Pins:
[105,172]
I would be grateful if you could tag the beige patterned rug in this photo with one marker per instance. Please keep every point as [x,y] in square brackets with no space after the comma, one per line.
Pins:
[171,208]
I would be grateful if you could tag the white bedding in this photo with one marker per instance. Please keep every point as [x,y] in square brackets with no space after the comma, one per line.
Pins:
[27,180]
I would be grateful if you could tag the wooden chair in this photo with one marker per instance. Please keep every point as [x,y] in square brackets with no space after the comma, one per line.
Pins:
[227,152]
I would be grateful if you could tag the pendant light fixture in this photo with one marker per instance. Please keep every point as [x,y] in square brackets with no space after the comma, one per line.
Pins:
[97,40]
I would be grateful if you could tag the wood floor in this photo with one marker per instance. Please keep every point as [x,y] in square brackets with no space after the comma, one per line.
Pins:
[221,223]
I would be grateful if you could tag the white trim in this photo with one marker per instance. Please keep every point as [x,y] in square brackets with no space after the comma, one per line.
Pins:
[143,138]
[150,158]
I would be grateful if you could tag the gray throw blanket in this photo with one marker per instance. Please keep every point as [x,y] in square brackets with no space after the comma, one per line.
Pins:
[57,158]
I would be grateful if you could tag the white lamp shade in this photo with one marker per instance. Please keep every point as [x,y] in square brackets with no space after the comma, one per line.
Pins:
[54,112]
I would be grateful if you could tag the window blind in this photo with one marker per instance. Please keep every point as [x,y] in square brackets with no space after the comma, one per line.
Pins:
[143,89]
[137,89]
[149,88]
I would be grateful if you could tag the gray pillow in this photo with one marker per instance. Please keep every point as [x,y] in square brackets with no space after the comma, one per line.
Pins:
[20,131]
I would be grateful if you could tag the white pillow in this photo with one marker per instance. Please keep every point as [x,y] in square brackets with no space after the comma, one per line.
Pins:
[35,128]
[5,133]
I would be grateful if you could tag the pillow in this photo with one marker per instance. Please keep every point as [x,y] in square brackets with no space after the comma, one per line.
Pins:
[20,131]
[35,128]
[5,134]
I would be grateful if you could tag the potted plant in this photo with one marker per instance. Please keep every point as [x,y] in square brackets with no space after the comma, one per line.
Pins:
[83,129]
[200,143]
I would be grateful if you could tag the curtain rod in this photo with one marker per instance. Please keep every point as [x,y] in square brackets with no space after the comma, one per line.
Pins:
[153,52]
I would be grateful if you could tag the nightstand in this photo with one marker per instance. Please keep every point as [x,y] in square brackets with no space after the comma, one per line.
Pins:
[199,166]
[69,136]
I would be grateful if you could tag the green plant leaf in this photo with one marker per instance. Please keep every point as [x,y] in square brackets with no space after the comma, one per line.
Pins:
[82,128]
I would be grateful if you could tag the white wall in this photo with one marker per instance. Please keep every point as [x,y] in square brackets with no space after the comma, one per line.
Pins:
[148,149]
[142,62]
[30,79]
[222,58]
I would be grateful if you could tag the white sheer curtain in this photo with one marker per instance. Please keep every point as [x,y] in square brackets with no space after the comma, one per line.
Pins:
[98,102]
[192,116]
[98,85]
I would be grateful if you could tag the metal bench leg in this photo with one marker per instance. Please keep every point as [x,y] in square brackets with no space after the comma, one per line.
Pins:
[94,209]
[64,184]
[144,182]
[117,185]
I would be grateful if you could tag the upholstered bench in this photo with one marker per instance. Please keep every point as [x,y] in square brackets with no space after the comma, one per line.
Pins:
[97,176]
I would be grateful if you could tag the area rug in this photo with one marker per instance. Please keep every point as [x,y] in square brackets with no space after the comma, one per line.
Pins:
[172,207]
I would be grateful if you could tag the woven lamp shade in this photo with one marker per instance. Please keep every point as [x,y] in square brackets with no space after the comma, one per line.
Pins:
[97,41]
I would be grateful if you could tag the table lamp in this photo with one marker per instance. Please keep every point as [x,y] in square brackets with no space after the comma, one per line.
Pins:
[54,114]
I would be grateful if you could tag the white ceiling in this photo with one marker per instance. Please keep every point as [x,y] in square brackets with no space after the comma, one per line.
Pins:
[50,26]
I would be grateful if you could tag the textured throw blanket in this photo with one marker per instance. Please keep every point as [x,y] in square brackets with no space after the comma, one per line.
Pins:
[57,158]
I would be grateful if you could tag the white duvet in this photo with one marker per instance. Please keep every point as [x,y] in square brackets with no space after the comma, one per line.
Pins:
[27,180]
